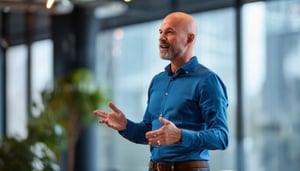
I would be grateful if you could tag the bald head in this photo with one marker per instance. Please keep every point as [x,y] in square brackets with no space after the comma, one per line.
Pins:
[183,21]
[178,32]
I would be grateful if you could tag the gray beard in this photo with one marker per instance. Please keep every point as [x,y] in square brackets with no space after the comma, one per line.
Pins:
[168,57]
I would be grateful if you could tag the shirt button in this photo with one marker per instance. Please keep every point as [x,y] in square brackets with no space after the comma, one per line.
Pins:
[166,93]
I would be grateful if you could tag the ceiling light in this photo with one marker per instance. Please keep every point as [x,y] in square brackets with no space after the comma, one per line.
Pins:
[59,6]
[51,6]
[49,3]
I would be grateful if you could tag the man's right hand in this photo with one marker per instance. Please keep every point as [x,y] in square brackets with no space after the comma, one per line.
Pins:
[114,119]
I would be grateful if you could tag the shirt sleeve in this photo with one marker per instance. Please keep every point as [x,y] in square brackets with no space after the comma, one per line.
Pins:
[135,132]
[213,102]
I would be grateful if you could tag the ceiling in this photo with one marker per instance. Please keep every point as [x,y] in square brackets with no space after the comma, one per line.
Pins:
[15,15]
[136,10]
[147,10]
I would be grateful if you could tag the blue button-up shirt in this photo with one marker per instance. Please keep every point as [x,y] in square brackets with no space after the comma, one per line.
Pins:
[195,100]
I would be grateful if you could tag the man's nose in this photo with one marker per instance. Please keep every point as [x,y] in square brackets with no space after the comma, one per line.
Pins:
[162,37]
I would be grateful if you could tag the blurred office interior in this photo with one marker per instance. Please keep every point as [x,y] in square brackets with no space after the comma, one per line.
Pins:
[254,45]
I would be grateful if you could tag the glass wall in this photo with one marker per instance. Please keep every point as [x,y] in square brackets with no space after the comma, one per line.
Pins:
[42,74]
[42,68]
[272,85]
[216,49]
[127,64]
[16,91]
[130,61]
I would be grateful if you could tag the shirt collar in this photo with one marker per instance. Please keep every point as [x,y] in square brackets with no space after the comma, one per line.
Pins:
[184,69]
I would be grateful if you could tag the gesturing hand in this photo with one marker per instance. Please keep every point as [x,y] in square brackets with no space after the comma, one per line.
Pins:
[115,119]
[167,134]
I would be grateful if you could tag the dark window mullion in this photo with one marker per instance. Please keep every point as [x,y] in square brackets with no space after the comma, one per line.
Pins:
[239,76]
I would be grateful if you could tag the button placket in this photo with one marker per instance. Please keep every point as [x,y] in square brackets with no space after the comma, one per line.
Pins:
[166,93]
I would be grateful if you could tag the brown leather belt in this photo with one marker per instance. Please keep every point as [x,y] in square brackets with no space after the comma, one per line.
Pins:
[178,165]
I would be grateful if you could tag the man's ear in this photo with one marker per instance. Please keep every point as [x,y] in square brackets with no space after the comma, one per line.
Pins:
[190,38]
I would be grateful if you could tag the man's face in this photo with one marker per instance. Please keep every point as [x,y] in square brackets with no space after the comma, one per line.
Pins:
[172,39]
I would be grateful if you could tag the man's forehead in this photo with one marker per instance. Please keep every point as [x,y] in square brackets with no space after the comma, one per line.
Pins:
[166,28]
[169,24]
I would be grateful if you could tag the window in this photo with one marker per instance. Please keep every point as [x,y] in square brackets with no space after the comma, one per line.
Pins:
[17,82]
[271,85]
[215,49]
[16,91]
[42,68]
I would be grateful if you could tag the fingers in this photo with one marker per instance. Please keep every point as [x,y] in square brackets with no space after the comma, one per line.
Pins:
[154,138]
[151,134]
[114,119]
[165,135]
[104,114]
[114,107]
[100,113]
[159,131]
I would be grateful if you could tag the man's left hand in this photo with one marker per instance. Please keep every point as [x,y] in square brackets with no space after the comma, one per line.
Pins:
[167,134]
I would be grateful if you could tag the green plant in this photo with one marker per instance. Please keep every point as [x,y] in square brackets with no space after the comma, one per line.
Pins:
[65,110]
[71,101]
[21,155]
[40,150]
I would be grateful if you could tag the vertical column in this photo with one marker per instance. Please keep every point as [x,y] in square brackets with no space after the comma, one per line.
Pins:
[239,75]
[2,114]
[74,37]
[29,19]
[3,124]
[86,28]
[63,44]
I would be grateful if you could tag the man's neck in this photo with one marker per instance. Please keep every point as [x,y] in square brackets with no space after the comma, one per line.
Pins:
[177,63]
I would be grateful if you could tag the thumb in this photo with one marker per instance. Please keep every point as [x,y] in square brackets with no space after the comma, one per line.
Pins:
[164,121]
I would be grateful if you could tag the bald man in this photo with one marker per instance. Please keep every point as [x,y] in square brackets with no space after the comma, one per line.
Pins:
[186,112]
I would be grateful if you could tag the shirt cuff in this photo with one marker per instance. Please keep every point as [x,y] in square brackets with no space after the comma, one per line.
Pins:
[188,138]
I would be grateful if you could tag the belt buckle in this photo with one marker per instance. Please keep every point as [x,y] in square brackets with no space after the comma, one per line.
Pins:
[158,166]
[172,166]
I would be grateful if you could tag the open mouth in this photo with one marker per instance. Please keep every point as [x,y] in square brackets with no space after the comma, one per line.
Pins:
[163,47]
